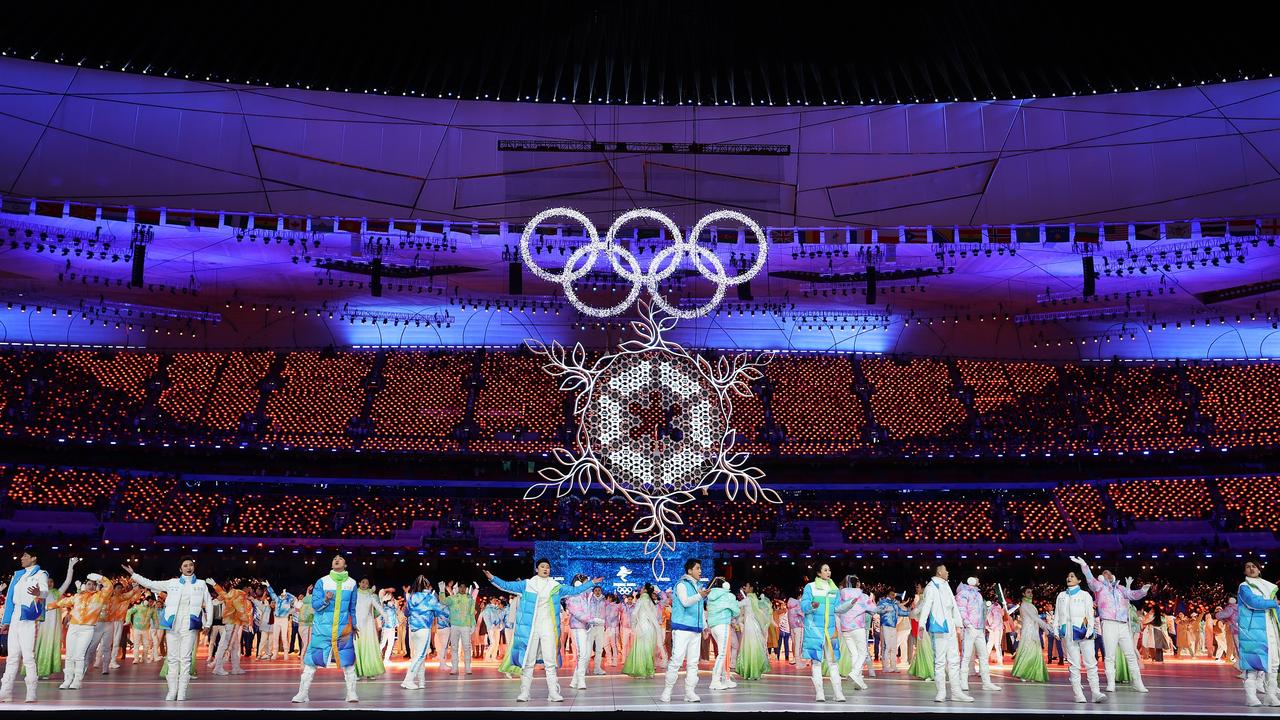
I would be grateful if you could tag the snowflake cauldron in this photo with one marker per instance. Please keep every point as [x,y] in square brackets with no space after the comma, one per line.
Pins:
[654,425]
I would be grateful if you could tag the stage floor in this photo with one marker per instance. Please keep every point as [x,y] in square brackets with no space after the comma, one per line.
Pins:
[1183,687]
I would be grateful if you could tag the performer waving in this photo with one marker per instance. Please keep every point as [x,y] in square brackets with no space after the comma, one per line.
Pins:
[538,627]
[187,607]
[1077,625]
[24,604]
[1113,612]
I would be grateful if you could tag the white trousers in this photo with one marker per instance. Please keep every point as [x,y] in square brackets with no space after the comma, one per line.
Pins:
[542,641]
[686,648]
[215,636]
[595,641]
[975,646]
[228,644]
[1078,652]
[889,648]
[1116,633]
[442,645]
[181,645]
[419,644]
[22,652]
[719,667]
[582,655]
[611,647]
[388,642]
[994,640]
[111,643]
[946,663]
[78,639]
[280,637]
[856,640]
[460,641]
[797,643]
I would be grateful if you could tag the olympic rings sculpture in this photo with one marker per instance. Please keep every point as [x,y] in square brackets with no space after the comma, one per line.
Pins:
[663,264]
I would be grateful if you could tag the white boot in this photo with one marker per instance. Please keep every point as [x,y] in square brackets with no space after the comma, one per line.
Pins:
[172,679]
[304,685]
[666,692]
[553,685]
[957,687]
[1251,690]
[835,682]
[526,682]
[815,671]
[349,678]
[184,679]
[1273,690]
[6,690]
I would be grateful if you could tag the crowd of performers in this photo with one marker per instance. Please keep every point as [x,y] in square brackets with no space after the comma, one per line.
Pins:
[944,632]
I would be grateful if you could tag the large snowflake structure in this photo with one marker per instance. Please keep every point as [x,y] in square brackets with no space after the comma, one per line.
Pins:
[654,425]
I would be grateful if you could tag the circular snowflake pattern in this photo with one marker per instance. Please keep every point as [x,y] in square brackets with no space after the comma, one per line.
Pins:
[653,425]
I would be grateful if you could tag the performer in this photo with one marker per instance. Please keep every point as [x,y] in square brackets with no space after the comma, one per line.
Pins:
[1028,660]
[853,629]
[973,620]
[821,604]
[306,618]
[1113,612]
[995,632]
[23,606]
[612,621]
[596,633]
[442,624]
[722,610]
[187,606]
[138,620]
[334,600]
[49,635]
[625,610]
[686,631]
[462,624]
[1259,633]
[492,615]
[237,613]
[795,618]
[891,612]
[940,619]
[421,607]
[107,647]
[368,651]
[756,619]
[1077,625]
[584,615]
[390,622]
[538,626]
[84,612]
[646,630]
[281,624]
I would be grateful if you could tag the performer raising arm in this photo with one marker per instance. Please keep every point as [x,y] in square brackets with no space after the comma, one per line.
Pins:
[538,626]
[23,606]
[187,606]
[1113,612]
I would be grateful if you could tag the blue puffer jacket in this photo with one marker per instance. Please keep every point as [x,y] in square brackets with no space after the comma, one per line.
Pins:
[1255,612]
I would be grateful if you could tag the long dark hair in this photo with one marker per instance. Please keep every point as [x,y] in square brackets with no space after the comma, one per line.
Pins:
[421,584]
